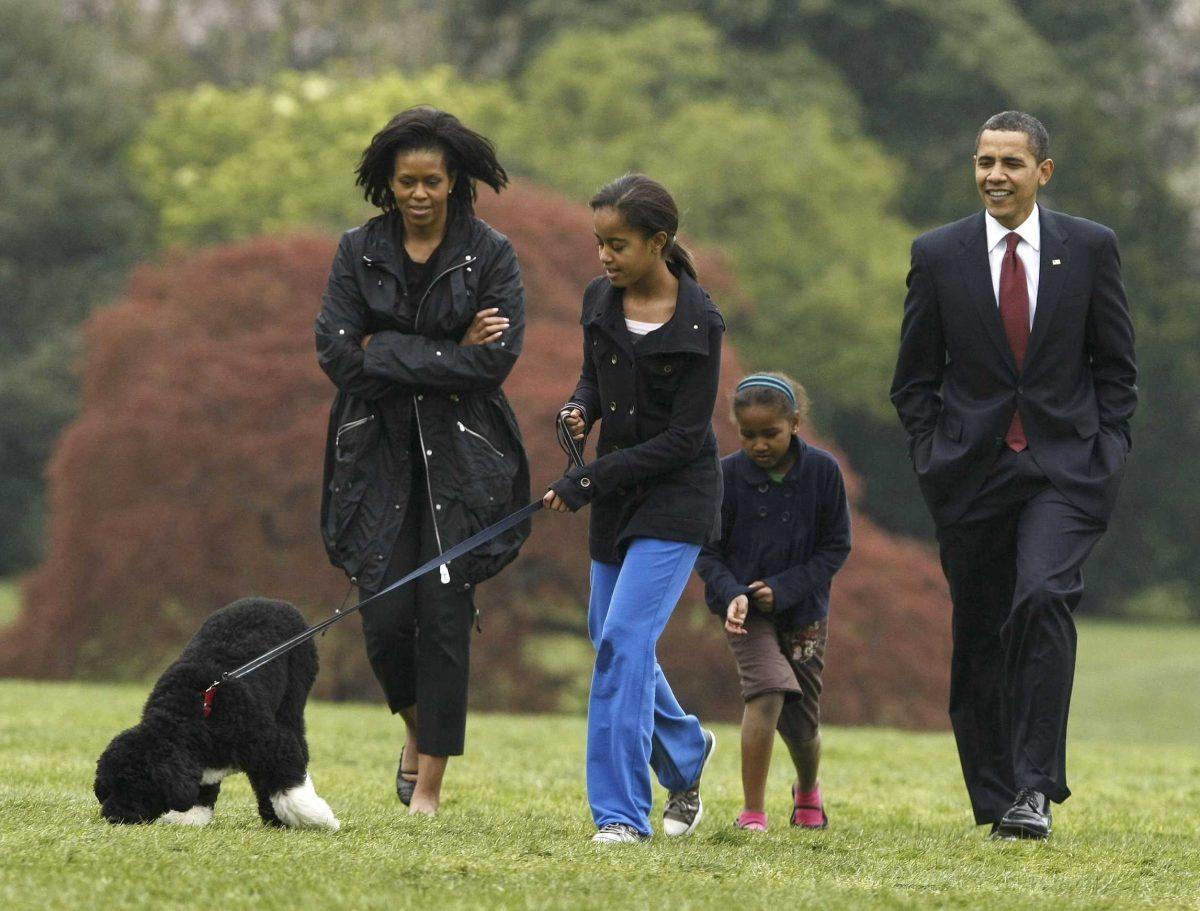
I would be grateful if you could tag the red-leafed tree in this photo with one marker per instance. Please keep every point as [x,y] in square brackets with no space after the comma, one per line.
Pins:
[192,477]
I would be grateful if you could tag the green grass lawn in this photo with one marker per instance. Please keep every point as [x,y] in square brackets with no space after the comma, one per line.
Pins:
[514,828]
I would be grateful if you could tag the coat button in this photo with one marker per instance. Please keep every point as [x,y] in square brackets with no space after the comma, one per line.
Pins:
[585,482]
[695,325]
[420,398]
[762,512]
[787,517]
[763,488]
[438,506]
[612,406]
[667,368]
[380,283]
[632,409]
[454,396]
[438,353]
[341,332]
[428,452]
[613,360]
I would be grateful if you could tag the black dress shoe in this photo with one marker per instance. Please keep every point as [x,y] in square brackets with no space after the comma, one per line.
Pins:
[997,835]
[1028,817]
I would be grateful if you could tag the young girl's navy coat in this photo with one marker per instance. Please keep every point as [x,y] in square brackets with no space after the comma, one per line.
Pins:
[792,535]
[656,474]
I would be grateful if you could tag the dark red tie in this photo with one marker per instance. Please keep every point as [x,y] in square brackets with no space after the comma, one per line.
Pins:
[1014,313]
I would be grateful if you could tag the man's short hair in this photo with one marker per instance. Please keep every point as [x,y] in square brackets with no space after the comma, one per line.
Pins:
[1020,122]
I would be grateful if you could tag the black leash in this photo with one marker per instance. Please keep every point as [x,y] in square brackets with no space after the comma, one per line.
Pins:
[492,531]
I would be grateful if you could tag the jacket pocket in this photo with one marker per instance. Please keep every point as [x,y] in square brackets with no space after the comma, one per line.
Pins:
[488,463]
[661,375]
[356,440]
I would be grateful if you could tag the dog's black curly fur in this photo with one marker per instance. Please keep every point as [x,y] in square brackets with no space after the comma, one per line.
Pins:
[256,725]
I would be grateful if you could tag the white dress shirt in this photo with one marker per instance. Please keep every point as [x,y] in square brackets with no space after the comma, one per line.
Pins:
[1028,248]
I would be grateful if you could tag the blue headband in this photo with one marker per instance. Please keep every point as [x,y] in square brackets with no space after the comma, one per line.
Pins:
[770,382]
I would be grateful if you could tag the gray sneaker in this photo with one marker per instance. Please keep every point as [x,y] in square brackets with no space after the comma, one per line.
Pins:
[618,833]
[685,808]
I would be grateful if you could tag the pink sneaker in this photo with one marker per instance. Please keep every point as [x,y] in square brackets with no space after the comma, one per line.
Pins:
[809,809]
[751,822]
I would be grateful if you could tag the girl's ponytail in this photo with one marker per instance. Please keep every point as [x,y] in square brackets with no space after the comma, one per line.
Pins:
[679,259]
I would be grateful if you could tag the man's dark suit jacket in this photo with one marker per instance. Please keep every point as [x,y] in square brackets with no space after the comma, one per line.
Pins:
[956,382]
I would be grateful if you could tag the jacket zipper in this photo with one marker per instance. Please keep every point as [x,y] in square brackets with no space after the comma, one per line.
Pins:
[337,440]
[444,569]
[479,436]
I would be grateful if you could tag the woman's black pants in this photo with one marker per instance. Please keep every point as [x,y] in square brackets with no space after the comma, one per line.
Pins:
[418,637]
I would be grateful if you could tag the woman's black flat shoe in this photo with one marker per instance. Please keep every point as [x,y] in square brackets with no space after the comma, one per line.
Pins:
[405,786]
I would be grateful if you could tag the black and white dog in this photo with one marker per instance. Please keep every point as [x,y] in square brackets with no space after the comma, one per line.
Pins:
[169,767]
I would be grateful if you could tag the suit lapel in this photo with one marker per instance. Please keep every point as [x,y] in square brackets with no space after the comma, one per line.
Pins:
[977,275]
[1050,278]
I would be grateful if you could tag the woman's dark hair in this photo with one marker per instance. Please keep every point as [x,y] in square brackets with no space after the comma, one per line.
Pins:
[646,206]
[469,157]
[764,389]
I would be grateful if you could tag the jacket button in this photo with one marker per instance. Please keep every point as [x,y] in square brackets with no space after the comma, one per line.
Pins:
[762,511]
[353,579]
[454,397]
[438,506]
[585,482]
[428,452]
[612,406]
[380,283]
[397,505]
[667,368]
[613,360]
[632,409]
[695,325]
[787,517]
[420,398]
[438,353]
[763,488]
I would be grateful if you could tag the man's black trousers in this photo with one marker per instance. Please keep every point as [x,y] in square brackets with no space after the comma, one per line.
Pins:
[1014,562]
[418,638]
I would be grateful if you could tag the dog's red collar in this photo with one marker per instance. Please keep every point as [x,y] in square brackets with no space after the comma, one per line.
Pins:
[208,699]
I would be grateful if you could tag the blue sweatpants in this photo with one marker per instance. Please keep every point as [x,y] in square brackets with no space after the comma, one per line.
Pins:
[634,720]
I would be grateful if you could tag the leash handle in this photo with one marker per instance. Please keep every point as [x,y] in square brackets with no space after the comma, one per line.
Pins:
[566,442]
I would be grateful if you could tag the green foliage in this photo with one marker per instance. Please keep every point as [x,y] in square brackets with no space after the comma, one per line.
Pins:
[223,164]
[513,828]
[69,227]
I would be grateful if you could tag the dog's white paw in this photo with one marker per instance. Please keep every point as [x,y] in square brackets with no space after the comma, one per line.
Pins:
[196,816]
[302,808]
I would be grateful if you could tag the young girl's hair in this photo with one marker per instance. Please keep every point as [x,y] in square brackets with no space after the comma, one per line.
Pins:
[646,206]
[775,390]
[468,155]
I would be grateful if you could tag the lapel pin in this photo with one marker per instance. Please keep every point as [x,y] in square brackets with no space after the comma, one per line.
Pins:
[1056,262]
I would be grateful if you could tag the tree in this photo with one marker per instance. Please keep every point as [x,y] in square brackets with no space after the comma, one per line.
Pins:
[70,225]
